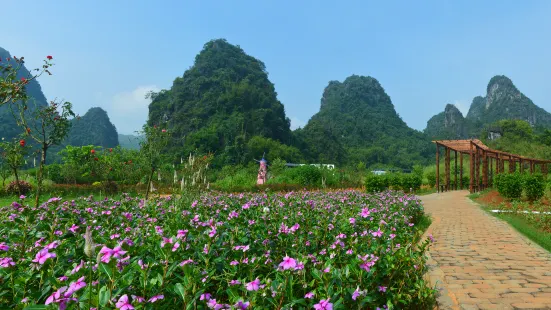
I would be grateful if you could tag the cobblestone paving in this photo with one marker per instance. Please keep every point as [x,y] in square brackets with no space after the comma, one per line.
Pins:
[480,262]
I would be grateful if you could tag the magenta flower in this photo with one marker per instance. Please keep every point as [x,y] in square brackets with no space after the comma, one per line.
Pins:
[6,262]
[324,304]
[187,261]
[235,282]
[123,303]
[241,305]
[175,247]
[181,233]
[378,233]
[77,267]
[352,220]
[73,228]
[75,286]
[253,286]
[382,289]
[117,252]
[106,254]
[4,247]
[138,299]
[56,296]
[155,298]
[356,294]
[309,295]
[42,256]
[205,296]
[288,263]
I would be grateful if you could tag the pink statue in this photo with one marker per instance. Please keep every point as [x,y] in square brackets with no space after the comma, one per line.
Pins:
[262,170]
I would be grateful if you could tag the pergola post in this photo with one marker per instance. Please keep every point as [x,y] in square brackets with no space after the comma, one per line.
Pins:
[521,163]
[512,164]
[461,170]
[491,173]
[471,173]
[531,167]
[455,171]
[498,162]
[437,168]
[447,169]
[477,169]
[484,169]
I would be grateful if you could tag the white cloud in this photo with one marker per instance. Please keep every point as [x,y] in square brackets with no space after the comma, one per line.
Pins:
[462,105]
[296,123]
[129,109]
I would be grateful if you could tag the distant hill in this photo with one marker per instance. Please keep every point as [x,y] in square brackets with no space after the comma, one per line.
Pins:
[503,101]
[131,142]
[219,104]
[93,128]
[8,126]
[357,122]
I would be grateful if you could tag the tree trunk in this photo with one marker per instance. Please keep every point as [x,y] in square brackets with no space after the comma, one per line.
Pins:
[17,181]
[39,175]
[149,183]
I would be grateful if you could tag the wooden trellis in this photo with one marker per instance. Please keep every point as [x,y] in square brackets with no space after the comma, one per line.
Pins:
[484,164]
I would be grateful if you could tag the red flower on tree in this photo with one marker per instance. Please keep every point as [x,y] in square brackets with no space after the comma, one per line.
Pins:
[96,159]
[22,143]
[93,151]
[49,57]
[110,150]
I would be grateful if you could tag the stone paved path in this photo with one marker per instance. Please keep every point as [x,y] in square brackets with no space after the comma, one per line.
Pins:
[480,262]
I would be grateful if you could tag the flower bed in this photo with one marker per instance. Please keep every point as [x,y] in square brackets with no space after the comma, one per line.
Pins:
[321,250]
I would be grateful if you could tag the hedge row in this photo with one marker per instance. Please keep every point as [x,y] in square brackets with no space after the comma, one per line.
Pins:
[514,184]
[398,181]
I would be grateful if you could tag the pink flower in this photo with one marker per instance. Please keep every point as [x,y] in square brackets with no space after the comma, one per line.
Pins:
[187,261]
[205,296]
[382,289]
[4,247]
[166,241]
[52,245]
[117,252]
[75,286]
[176,246]
[123,303]
[253,286]
[56,296]
[155,298]
[324,304]
[356,294]
[6,262]
[78,267]
[106,255]
[288,263]
[300,266]
[138,299]
[352,220]
[42,256]
[235,282]
[378,233]
[309,295]
[241,305]
[73,228]
[181,233]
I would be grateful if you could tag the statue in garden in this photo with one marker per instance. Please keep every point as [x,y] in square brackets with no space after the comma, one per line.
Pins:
[262,172]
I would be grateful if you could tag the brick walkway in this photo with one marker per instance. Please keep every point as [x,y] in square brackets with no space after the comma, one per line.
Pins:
[480,262]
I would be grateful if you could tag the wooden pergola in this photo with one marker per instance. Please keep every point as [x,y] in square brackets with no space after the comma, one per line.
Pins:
[483,157]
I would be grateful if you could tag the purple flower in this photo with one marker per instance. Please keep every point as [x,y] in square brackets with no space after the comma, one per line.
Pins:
[288,263]
[382,289]
[378,233]
[205,296]
[309,295]
[6,262]
[253,286]
[4,247]
[75,286]
[42,256]
[155,298]
[352,220]
[241,305]
[324,304]
[123,303]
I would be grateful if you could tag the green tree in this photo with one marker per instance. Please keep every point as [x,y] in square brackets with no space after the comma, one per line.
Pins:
[151,149]
[13,154]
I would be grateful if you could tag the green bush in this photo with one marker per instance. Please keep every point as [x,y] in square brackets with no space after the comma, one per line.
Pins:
[411,182]
[431,178]
[307,175]
[509,185]
[534,186]
[376,183]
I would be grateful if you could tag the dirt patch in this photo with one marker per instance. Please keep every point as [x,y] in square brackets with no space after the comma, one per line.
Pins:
[491,198]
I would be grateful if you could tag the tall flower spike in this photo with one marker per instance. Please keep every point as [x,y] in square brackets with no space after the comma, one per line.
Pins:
[88,243]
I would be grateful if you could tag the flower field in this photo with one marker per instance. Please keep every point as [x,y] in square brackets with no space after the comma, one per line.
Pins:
[302,250]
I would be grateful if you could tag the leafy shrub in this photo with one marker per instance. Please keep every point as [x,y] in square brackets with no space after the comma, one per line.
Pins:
[509,185]
[375,183]
[534,186]
[110,187]
[307,175]
[411,182]
[431,178]
[13,189]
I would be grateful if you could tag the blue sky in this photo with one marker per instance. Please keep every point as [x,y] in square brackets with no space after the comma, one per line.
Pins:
[424,53]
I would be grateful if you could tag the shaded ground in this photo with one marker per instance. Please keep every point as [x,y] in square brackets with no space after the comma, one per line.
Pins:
[480,262]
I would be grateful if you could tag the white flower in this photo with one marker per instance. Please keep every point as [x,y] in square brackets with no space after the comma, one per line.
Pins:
[266,209]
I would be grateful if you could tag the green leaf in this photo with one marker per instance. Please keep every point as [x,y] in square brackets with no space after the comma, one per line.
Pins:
[35,307]
[105,269]
[104,296]
[179,289]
